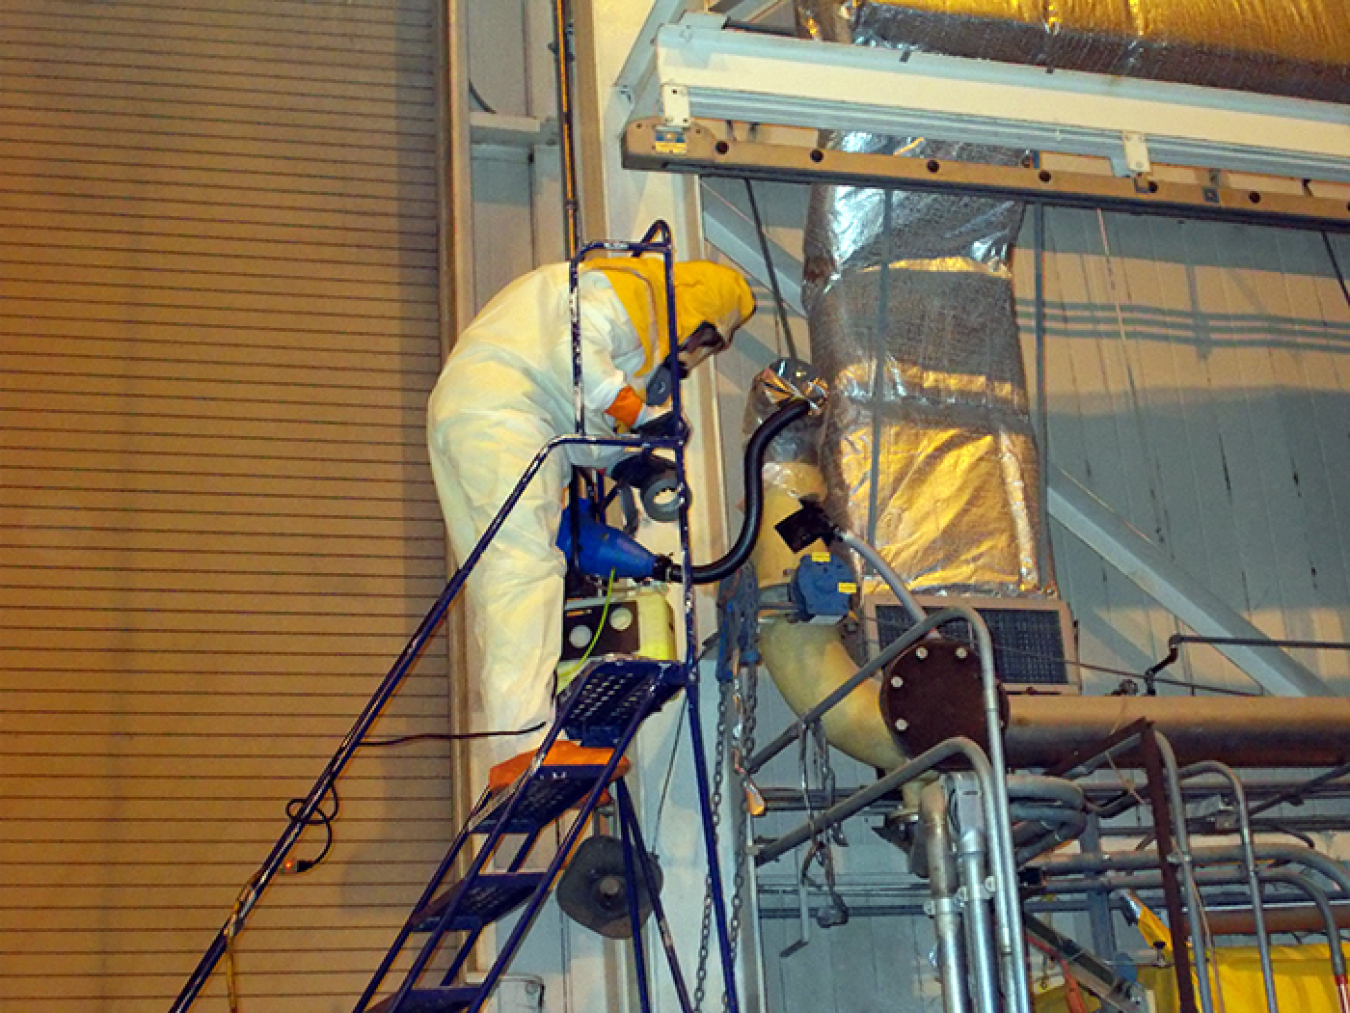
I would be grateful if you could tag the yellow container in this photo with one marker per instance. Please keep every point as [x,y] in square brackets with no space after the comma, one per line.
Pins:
[638,623]
[1303,982]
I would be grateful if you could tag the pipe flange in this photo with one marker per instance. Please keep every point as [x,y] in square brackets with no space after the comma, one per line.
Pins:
[933,692]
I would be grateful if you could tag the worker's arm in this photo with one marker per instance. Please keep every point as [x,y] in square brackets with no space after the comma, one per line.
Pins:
[628,408]
[605,330]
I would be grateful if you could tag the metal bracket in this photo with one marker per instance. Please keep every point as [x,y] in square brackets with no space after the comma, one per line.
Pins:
[705,148]
[675,110]
[1135,150]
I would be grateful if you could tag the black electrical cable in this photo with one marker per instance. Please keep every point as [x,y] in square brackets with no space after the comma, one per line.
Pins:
[769,270]
[450,737]
[1336,263]
[318,818]
[482,102]
[711,573]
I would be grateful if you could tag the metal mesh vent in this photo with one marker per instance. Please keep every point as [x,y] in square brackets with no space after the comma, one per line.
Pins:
[1029,643]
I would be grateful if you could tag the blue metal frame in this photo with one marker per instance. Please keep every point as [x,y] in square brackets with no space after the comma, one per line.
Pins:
[656,241]
[502,827]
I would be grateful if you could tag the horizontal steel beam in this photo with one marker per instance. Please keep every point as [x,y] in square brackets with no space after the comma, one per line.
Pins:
[706,70]
[729,230]
[700,149]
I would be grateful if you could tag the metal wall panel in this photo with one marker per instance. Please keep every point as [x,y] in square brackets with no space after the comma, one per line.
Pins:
[219,325]
[1196,376]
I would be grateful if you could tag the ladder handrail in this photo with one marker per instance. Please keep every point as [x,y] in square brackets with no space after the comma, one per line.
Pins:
[299,820]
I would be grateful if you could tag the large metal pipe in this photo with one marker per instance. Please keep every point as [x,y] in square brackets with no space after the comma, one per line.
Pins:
[1262,731]
[972,860]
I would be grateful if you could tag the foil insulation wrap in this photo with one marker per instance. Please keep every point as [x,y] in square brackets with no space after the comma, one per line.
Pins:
[1284,47]
[926,441]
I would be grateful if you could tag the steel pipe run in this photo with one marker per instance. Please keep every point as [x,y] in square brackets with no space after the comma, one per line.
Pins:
[946,907]
[1319,898]
[1266,731]
[1249,862]
[1008,914]
[1133,861]
[972,861]
[1194,907]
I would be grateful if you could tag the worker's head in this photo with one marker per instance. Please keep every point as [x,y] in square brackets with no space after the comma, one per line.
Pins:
[711,302]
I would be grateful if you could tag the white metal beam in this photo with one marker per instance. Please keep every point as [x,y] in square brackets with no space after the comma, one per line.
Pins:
[726,227]
[637,67]
[512,131]
[1091,520]
[795,82]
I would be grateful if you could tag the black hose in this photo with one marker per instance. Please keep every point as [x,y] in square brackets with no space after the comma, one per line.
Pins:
[711,573]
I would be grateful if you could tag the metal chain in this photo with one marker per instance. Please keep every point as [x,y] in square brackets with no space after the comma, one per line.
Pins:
[715,803]
[743,745]
[813,758]
[825,770]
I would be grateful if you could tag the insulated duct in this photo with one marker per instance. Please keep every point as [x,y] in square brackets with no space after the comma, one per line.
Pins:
[927,446]
[806,661]
[1283,47]
[928,450]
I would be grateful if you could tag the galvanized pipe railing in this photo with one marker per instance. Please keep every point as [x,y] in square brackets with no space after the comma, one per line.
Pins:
[1249,862]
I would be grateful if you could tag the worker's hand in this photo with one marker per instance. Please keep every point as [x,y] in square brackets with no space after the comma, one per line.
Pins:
[653,423]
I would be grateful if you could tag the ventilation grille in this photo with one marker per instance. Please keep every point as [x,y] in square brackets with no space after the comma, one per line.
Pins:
[1033,639]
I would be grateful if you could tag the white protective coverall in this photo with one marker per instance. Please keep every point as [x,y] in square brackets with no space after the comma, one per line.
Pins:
[505,391]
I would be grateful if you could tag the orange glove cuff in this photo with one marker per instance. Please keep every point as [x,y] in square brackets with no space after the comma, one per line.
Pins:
[626,407]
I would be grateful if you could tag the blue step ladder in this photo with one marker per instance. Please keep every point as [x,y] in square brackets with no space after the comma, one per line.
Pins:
[603,706]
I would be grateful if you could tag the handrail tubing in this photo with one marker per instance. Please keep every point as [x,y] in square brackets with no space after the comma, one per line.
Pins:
[984,773]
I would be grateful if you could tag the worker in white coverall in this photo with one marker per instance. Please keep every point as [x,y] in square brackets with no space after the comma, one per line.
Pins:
[505,391]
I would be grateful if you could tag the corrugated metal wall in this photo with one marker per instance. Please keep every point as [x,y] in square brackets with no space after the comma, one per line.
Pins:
[218,326]
[1198,378]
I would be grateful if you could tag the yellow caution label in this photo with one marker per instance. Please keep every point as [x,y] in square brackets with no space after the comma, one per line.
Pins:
[669,141]
[848,587]
[820,557]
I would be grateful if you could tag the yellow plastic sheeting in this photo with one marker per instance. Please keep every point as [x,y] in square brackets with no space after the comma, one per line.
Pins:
[1303,983]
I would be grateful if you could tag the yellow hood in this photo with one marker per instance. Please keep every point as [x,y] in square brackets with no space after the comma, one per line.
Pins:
[704,292]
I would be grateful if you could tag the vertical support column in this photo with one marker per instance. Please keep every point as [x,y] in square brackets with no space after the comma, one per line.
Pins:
[457,307]
[1167,855]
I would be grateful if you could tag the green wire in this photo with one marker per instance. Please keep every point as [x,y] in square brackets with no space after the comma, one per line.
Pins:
[600,628]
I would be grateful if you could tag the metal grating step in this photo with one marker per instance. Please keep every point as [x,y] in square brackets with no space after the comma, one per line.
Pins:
[611,693]
[447,999]
[484,899]
[550,793]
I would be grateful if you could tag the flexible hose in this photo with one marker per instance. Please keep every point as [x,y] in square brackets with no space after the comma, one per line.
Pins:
[711,573]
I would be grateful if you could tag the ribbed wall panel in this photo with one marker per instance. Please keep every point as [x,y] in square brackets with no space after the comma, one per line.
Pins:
[218,328]
[1197,377]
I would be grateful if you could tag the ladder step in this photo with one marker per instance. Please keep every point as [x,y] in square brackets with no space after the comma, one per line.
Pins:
[486,898]
[446,999]
[608,697]
[546,796]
